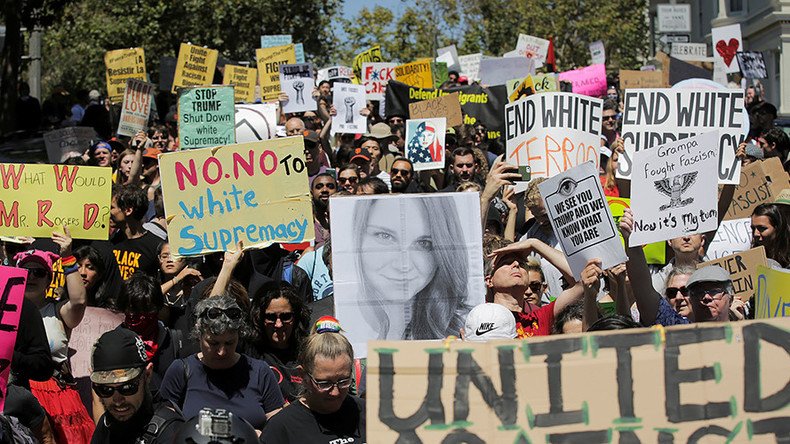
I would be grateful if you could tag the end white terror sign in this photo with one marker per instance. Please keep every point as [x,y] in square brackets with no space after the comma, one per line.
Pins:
[654,117]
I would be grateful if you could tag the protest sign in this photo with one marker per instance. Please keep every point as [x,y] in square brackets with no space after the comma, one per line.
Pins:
[497,71]
[375,77]
[296,81]
[470,65]
[12,286]
[415,74]
[255,122]
[95,323]
[342,74]
[195,66]
[243,80]
[589,81]
[39,199]
[206,116]
[68,142]
[732,236]
[122,64]
[726,43]
[370,55]
[752,64]
[697,383]
[754,189]
[269,61]
[672,194]
[167,71]
[406,266]
[253,192]
[348,99]
[136,108]
[772,299]
[447,106]
[742,267]
[533,84]
[268,41]
[689,51]
[597,53]
[656,252]
[630,79]
[449,56]
[553,132]
[532,47]
[577,210]
[518,88]
[653,117]
[425,143]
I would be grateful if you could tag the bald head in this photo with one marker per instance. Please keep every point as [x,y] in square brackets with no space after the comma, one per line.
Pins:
[294,126]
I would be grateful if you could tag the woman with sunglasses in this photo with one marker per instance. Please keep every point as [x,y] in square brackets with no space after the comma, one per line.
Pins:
[325,412]
[348,177]
[219,376]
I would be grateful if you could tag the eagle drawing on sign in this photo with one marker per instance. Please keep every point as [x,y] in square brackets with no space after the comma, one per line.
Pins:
[674,189]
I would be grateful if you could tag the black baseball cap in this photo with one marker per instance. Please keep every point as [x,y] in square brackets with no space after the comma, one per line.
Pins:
[118,356]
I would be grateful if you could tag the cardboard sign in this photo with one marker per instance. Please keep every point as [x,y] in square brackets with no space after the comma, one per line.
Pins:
[597,53]
[206,117]
[252,192]
[589,81]
[752,64]
[68,142]
[256,122]
[375,77]
[195,66]
[425,145]
[370,55]
[641,79]
[697,383]
[348,99]
[243,80]
[726,44]
[674,18]
[137,100]
[415,74]
[406,266]
[672,194]
[12,288]
[772,299]
[268,41]
[754,189]
[470,65]
[742,268]
[122,64]
[269,61]
[653,117]
[39,199]
[447,106]
[95,323]
[732,236]
[532,47]
[497,71]
[297,82]
[656,252]
[689,51]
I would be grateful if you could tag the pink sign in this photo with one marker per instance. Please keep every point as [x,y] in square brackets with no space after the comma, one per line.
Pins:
[590,81]
[95,323]
[12,286]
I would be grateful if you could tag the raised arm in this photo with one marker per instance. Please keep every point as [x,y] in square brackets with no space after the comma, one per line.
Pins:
[72,310]
[591,281]
[647,298]
[138,143]
[620,289]
[501,174]
[509,196]
[232,259]
[551,254]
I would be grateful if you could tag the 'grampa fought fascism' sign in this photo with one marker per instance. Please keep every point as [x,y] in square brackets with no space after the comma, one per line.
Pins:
[12,289]
[580,216]
[697,383]
[654,117]
[206,116]
[252,192]
[672,191]
[123,64]
[195,66]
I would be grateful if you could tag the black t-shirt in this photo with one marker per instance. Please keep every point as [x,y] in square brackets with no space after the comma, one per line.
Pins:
[298,424]
[137,254]
[110,431]
[283,364]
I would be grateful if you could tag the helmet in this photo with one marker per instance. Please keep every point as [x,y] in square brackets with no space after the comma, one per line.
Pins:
[218,426]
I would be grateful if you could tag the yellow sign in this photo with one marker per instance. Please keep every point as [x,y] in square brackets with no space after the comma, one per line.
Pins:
[36,200]
[772,299]
[370,55]
[655,253]
[195,66]
[416,74]
[534,84]
[255,192]
[269,61]
[123,64]
[243,80]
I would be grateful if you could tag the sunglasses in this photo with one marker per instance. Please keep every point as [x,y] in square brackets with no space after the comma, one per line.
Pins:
[127,389]
[397,171]
[321,185]
[715,293]
[609,118]
[37,272]
[232,313]
[672,292]
[348,179]
[536,287]
[271,318]
[325,386]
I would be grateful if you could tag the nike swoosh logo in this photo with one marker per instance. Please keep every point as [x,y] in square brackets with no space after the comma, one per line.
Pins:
[479,332]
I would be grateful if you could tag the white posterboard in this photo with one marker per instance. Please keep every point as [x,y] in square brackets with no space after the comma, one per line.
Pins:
[297,82]
[348,99]
[597,53]
[470,65]
[255,122]
[137,100]
[727,42]
[425,145]
[532,47]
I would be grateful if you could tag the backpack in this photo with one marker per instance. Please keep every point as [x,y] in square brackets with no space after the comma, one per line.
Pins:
[159,423]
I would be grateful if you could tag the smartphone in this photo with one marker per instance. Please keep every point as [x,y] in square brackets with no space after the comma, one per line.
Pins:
[526,172]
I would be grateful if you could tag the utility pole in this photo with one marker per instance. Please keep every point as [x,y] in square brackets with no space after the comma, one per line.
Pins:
[34,69]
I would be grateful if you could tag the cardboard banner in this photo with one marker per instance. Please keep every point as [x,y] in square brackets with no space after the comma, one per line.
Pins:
[12,288]
[40,199]
[195,67]
[297,82]
[348,99]
[589,81]
[268,41]
[577,210]
[672,194]
[269,61]
[497,71]
[95,323]
[656,252]
[406,266]
[532,47]
[772,299]
[122,64]
[732,236]
[137,100]
[425,145]
[754,189]
[690,51]
[597,53]
[742,268]
[752,64]
[370,55]
[243,80]
[470,65]
[553,132]
[68,142]
[630,79]
[252,192]
[706,382]
[206,117]
[727,42]
[255,122]
[416,74]
[375,77]
[653,117]
[447,106]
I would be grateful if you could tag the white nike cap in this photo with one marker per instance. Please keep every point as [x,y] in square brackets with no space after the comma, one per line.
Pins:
[488,321]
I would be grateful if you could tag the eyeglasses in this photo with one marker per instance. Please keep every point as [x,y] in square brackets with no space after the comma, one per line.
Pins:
[320,185]
[715,293]
[609,118]
[672,292]
[285,317]
[352,179]
[397,171]
[325,386]
[127,389]
[232,313]
[37,272]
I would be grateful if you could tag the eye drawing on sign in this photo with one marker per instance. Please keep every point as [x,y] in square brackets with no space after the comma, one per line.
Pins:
[680,183]
[299,87]
[424,146]
[349,102]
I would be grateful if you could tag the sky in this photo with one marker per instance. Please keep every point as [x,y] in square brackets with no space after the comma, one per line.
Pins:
[352,7]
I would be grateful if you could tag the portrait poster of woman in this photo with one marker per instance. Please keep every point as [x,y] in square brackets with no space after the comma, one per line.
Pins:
[405,266]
